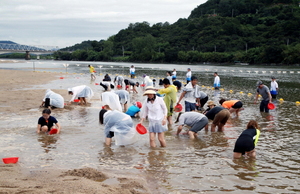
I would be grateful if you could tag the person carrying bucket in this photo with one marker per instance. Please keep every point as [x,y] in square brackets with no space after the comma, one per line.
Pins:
[47,122]
[155,109]
[266,96]
[92,71]
[246,142]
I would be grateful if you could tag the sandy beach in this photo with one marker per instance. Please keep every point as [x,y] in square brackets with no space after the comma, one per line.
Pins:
[17,98]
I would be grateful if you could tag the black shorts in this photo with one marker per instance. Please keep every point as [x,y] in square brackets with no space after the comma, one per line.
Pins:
[244,144]
[110,135]
[238,104]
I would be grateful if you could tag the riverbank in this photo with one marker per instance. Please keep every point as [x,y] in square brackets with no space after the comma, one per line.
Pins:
[21,93]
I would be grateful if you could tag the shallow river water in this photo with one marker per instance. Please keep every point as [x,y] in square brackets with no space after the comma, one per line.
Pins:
[185,166]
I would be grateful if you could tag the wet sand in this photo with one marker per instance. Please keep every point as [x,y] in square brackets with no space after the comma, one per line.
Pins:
[15,178]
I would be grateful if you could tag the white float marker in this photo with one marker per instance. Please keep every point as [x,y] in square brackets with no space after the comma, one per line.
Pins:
[241,70]
[278,71]
[263,72]
[256,72]
[291,71]
[249,71]
[271,71]
[284,72]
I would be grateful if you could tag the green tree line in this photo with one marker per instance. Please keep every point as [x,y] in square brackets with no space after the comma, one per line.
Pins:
[221,31]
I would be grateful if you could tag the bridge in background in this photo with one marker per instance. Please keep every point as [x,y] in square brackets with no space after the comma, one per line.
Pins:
[18,48]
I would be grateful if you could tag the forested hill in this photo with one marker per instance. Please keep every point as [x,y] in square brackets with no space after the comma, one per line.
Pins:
[253,31]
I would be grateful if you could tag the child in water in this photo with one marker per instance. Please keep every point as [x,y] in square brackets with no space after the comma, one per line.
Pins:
[246,142]
[134,110]
[156,111]
[47,122]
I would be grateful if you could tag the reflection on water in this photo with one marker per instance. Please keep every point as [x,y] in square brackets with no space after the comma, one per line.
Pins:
[201,165]
[48,142]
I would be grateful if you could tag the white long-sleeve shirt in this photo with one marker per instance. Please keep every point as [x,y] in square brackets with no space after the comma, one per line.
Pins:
[155,111]
[76,90]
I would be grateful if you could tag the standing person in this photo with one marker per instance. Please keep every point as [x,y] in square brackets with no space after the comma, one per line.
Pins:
[217,83]
[123,97]
[274,88]
[195,120]
[246,142]
[132,72]
[52,99]
[188,75]
[189,95]
[118,125]
[266,96]
[202,98]
[232,105]
[155,109]
[130,83]
[218,115]
[147,81]
[82,92]
[170,97]
[92,71]
[47,122]
[174,74]
[169,76]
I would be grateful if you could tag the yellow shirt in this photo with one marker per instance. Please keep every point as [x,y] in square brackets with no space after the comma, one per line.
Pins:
[92,69]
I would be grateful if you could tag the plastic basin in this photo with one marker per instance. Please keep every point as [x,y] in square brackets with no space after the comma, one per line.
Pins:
[11,160]
[53,131]
[141,129]
[271,106]
[178,108]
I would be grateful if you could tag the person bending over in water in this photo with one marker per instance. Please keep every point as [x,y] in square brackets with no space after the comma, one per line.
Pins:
[197,121]
[47,122]
[118,125]
[246,142]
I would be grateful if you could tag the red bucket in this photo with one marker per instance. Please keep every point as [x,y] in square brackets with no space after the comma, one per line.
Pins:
[53,131]
[271,106]
[76,100]
[11,160]
[142,85]
[141,129]
[178,108]
[96,84]
[61,78]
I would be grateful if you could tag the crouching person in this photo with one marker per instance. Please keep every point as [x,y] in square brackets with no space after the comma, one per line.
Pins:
[118,125]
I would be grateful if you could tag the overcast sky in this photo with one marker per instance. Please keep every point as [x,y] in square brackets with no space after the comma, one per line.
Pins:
[67,22]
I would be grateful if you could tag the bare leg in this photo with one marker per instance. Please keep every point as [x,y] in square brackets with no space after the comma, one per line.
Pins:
[213,128]
[170,120]
[44,128]
[152,139]
[221,127]
[134,89]
[84,100]
[161,139]
[125,107]
[206,127]
[108,141]
[81,101]
[237,155]
[252,153]
[192,134]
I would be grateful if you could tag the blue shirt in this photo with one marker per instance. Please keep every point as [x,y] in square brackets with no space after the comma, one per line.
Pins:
[132,110]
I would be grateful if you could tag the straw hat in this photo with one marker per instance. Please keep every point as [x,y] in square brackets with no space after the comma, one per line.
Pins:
[210,103]
[149,90]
